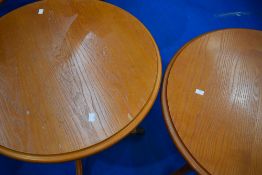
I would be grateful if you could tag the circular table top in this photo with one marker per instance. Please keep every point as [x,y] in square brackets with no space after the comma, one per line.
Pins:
[75,77]
[212,102]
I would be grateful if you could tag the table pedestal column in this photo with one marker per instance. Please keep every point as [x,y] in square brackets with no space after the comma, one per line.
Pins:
[79,167]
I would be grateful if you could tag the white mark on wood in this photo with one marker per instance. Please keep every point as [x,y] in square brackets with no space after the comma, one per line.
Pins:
[27,112]
[91,117]
[40,11]
[129,116]
[199,92]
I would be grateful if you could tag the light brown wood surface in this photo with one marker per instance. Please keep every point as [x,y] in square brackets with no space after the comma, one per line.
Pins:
[219,132]
[73,80]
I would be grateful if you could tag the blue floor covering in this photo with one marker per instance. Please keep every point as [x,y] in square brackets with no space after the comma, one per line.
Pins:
[172,23]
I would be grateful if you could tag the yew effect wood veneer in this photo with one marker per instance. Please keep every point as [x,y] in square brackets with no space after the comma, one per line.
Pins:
[76,76]
[212,102]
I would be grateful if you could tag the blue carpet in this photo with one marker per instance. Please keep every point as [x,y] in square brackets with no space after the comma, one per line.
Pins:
[172,24]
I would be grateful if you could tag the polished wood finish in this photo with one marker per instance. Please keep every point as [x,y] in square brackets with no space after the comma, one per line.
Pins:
[219,132]
[73,80]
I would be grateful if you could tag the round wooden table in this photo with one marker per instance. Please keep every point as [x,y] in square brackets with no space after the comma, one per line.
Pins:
[75,77]
[212,102]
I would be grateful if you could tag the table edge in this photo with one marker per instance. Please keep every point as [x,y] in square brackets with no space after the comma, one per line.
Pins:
[168,121]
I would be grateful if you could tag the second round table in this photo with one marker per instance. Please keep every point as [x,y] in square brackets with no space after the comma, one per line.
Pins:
[212,102]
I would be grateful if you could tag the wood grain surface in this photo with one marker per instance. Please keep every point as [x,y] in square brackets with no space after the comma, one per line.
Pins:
[212,102]
[74,79]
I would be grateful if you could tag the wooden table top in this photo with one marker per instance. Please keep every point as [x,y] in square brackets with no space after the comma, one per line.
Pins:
[212,102]
[75,77]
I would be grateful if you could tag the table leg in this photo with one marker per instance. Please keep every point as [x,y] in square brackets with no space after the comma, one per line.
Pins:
[79,167]
[138,131]
[182,171]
